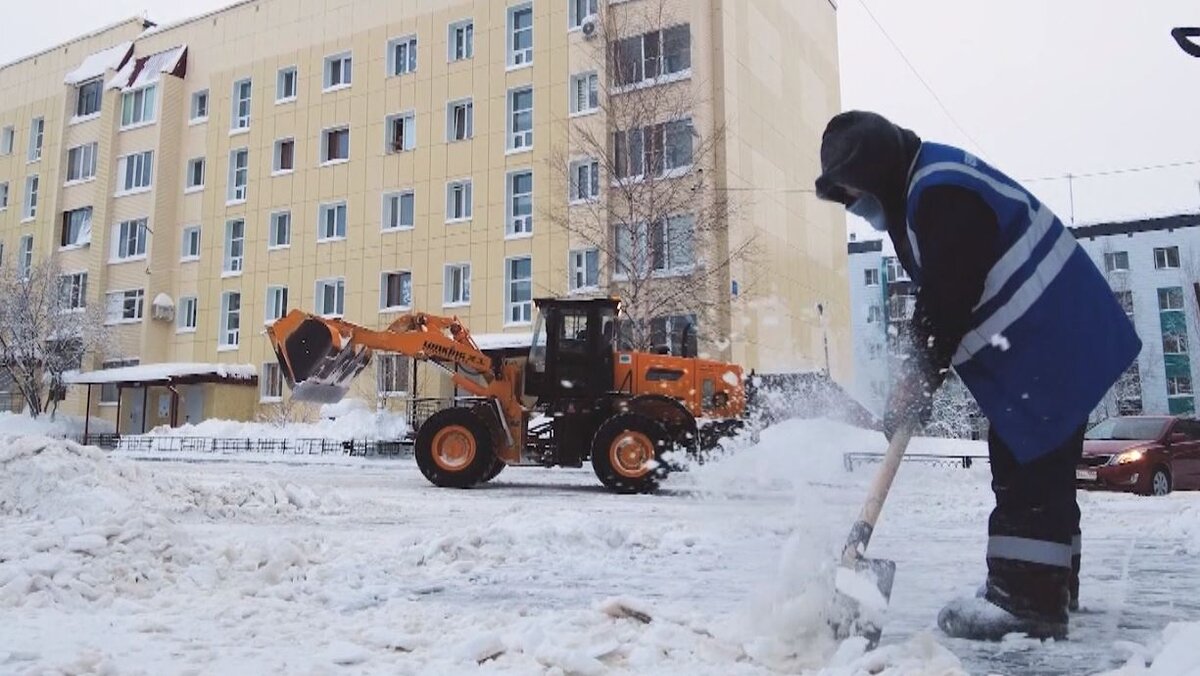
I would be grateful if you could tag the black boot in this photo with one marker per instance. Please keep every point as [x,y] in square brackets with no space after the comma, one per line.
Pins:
[1019,598]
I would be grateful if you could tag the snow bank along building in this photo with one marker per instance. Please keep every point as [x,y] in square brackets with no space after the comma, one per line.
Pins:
[367,158]
[1153,266]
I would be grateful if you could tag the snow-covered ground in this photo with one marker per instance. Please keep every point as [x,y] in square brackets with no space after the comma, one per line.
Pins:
[348,419]
[109,565]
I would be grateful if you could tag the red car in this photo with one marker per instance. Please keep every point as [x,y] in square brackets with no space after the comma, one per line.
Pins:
[1151,455]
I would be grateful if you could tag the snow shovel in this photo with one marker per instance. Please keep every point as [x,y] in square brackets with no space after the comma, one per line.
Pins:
[864,586]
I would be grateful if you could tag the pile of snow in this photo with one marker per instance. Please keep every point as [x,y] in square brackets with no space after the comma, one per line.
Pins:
[350,419]
[1175,654]
[20,424]
[96,65]
[79,529]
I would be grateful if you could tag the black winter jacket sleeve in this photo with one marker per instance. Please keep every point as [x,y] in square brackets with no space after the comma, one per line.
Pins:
[957,243]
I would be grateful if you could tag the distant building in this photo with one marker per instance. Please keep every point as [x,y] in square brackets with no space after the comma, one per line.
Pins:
[1153,266]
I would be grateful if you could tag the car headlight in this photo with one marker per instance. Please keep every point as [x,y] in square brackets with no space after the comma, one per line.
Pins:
[1129,456]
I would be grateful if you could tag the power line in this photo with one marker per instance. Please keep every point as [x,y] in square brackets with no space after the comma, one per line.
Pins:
[915,72]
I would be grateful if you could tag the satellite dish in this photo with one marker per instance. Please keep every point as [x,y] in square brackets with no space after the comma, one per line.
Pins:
[1186,38]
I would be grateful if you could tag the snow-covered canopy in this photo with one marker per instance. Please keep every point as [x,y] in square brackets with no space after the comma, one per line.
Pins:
[164,301]
[96,65]
[147,70]
[165,373]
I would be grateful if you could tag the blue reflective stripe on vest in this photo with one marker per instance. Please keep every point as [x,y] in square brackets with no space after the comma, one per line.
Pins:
[1047,337]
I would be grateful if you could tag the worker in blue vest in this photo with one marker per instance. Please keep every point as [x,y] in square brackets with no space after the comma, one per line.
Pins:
[1010,301]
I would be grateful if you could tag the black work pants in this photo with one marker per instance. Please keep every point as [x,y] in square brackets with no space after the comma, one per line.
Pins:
[1033,544]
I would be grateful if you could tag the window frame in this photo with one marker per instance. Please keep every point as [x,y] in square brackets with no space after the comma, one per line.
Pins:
[384,290]
[238,188]
[510,283]
[1179,386]
[1169,295]
[464,282]
[77,281]
[871,277]
[343,63]
[594,186]
[143,173]
[240,123]
[1111,258]
[123,296]
[408,121]
[577,266]
[339,298]
[87,153]
[575,19]
[324,159]
[518,58]
[274,242]
[229,337]
[140,236]
[98,97]
[186,239]
[452,127]
[111,388]
[1166,263]
[400,366]
[343,225]
[276,304]
[518,226]
[468,210]
[270,388]
[194,107]
[234,265]
[281,79]
[467,52]
[5,195]
[519,140]
[411,46]
[84,236]
[591,79]
[187,318]
[389,210]
[189,184]
[33,185]
[129,99]
[37,139]
[277,168]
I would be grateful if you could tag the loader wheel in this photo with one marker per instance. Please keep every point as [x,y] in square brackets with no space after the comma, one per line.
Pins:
[496,470]
[454,449]
[627,453]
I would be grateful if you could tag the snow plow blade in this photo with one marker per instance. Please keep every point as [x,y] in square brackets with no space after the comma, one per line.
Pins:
[317,360]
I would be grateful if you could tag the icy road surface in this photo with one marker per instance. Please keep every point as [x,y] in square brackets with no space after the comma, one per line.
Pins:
[134,567]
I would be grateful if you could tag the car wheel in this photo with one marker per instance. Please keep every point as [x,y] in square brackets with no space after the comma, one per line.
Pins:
[1160,482]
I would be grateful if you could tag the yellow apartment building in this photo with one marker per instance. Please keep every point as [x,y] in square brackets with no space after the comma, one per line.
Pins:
[369,157]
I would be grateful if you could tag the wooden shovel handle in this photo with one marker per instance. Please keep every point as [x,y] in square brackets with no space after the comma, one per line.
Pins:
[860,534]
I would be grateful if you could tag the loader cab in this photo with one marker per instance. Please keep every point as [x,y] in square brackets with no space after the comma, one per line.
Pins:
[572,351]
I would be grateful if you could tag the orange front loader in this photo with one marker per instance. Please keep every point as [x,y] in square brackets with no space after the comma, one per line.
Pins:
[623,410]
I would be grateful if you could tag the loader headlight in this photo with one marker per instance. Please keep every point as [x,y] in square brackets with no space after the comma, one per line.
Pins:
[1129,456]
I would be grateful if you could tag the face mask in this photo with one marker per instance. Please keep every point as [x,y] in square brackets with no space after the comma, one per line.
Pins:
[870,209]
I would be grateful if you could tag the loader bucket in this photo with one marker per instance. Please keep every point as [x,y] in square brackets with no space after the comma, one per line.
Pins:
[315,359]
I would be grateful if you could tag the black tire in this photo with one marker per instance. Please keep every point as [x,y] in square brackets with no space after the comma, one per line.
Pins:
[454,449]
[1160,482]
[496,470]
[621,430]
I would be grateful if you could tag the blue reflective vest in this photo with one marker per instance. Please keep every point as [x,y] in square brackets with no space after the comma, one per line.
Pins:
[1048,337]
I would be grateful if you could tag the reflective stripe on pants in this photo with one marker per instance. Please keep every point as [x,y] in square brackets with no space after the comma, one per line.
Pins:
[1029,551]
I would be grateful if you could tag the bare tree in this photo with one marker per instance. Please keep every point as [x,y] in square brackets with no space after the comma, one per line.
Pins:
[47,328]
[641,173]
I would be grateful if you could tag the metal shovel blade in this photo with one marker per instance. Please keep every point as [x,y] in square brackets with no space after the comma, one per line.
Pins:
[863,588]
[317,366]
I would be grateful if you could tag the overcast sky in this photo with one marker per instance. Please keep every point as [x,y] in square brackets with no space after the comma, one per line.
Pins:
[1041,88]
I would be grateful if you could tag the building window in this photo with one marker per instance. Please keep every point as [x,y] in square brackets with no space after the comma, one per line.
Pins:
[1170,298]
[191,243]
[37,136]
[520,35]
[185,320]
[8,137]
[655,151]
[580,11]
[129,240]
[584,268]
[271,383]
[199,111]
[460,120]
[395,292]
[285,85]
[25,255]
[1125,300]
[76,227]
[392,375]
[239,175]
[231,319]
[520,203]
[670,333]
[874,314]
[81,163]
[402,55]
[277,303]
[331,222]
[1175,343]
[456,284]
[895,271]
[335,145]
[125,306]
[462,40]
[871,277]
[1117,261]
[31,197]
[137,107]
[338,71]
[1166,258]
[280,231]
[585,93]
[665,247]
[285,156]
[401,133]
[458,201]
[1179,386]
[585,180]
[398,208]
[518,290]
[72,291]
[520,119]
[3,195]
[109,393]
[654,55]
[135,173]
[235,243]
[331,297]
[195,174]
[242,90]
[88,98]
